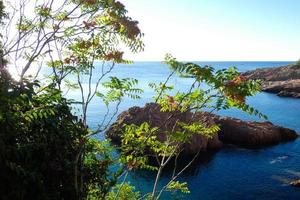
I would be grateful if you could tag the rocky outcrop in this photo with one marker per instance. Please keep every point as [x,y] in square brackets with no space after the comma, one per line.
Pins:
[288,88]
[252,134]
[233,131]
[284,81]
[165,121]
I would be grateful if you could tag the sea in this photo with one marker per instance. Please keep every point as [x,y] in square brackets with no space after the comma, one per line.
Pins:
[232,172]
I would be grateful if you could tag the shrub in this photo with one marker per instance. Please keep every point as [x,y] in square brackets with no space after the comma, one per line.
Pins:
[39,143]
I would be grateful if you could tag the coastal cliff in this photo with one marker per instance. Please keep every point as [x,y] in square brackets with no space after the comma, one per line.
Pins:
[284,81]
[232,131]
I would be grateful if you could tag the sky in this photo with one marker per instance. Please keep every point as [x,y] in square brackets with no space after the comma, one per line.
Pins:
[218,30]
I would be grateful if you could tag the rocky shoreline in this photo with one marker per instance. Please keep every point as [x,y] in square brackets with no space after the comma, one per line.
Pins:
[248,134]
[283,81]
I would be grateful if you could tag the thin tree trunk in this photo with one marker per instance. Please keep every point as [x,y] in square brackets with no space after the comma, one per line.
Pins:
[156,182]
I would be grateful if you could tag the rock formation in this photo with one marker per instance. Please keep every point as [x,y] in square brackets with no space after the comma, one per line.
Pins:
[284,81]
[151,114]
[233,131]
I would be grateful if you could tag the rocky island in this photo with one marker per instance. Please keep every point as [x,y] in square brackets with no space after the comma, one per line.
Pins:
[284,81]
[247,134]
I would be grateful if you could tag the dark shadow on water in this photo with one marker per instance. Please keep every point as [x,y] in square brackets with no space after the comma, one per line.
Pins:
[202,160]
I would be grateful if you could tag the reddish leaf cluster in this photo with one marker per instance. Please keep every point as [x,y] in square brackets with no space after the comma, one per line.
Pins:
[132,29]
[231,91]
[72,59]
[237,81]
[88,25]
[115,55]
[118,5]
[125,25]
[172,102]
[90,2]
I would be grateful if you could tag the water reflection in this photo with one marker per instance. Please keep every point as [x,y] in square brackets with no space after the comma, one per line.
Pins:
[203,160]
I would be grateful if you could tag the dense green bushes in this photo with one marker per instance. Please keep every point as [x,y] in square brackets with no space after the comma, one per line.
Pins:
[39,142]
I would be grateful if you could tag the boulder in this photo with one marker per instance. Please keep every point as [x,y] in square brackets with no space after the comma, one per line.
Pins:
[233,131]
[252,134]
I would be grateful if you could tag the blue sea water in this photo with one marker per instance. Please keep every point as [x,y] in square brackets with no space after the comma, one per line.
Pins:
[231,173]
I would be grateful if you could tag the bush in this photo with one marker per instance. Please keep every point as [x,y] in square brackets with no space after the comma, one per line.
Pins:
[39,142]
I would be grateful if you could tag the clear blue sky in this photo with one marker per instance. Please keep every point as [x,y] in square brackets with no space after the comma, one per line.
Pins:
[224,30]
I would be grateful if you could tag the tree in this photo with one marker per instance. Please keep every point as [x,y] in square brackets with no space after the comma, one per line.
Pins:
[74,24]
[47,151]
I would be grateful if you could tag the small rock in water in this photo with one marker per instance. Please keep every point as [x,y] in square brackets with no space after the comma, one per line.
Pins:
[295,183]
